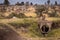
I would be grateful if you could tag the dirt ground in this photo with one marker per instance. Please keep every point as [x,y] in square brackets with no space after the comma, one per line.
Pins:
[9,35]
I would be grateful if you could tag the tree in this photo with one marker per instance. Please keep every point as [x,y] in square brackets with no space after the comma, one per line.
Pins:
[31,3]
[45,3]
[27,3]
[55,2]
[22,3]
[36,4]
[48,2]
[6,2]
[54,14]
[17,3]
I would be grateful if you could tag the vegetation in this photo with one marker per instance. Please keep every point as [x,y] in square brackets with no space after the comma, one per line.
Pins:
[55,2]
[32,28]
[39,10]
[48,2]
[22,3]
[53,14]
[54,33]
[6,2]
[31,25]
[31,3]
[27,3]
[20,15]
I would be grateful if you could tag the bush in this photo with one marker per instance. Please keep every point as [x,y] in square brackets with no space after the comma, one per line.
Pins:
[21,15]
[53,14]
[11,15]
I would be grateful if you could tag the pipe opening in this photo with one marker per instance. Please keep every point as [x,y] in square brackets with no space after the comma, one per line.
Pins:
[45,28]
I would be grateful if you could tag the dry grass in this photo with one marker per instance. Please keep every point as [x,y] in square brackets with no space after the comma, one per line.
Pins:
[53,19]
[22,19]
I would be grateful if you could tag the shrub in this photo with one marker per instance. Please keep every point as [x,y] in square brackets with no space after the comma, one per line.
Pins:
[20,15]
[11,15]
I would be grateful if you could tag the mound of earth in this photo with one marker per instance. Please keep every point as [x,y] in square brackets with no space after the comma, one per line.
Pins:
[9,35]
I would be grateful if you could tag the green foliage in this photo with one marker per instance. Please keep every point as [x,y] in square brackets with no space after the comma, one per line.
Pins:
[20,15]
[54,33]
[27,3]
[39,10]
[25,24]
[48,2]
[34,31]
[22,3]
[56,3]
[31,25]
[11,15]
[31,3]
[19,25]
[53,14]
[6,2]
